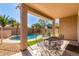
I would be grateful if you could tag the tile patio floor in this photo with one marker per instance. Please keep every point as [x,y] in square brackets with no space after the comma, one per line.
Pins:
[35,51]
[13,49]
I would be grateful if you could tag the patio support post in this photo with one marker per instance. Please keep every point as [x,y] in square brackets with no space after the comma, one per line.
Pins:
[78,26]
[23,29]
[53,28]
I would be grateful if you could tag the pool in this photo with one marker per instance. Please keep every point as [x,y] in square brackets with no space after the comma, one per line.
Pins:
[30,37]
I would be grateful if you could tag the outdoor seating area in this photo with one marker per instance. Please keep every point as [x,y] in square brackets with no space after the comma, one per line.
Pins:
[43,30]
[41,49]
[45,48]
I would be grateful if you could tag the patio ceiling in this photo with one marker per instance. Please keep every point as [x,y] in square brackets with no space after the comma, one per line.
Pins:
[56,10]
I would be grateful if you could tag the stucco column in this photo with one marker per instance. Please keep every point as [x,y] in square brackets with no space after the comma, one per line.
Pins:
[23,29]
[53,27]
[78,26]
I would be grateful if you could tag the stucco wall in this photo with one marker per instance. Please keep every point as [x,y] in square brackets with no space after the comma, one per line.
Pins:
[68,27]
[6,33]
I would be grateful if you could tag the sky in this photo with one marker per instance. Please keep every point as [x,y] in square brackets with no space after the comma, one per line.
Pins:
[32,20]
[9,9]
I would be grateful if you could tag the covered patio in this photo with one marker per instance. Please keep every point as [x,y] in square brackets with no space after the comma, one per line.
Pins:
[68,15]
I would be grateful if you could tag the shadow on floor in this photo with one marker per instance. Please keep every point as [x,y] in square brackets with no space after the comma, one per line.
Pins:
[72,49]
[73,46]
[26,53]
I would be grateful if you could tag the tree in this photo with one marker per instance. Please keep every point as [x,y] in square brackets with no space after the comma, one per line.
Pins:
[43,22]
[12,22]
[17,25]
[36,26]
[57,26]
[49,26]
[3,22]
[6,20]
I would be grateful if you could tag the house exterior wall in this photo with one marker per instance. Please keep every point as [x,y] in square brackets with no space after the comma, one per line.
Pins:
[68,27]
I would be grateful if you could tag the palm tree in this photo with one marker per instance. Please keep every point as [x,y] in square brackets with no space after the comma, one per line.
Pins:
[36,26]
[17,25]
[43,22]
[12,22]
[3,22]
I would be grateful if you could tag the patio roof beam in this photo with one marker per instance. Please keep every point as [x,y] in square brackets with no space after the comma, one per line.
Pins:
[38,12]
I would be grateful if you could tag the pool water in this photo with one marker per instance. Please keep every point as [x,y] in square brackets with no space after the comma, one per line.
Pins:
[30,37]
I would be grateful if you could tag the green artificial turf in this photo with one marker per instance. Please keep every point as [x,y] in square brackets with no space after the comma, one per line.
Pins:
[30,43]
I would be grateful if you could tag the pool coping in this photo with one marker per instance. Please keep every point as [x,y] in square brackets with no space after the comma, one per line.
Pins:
[18,41]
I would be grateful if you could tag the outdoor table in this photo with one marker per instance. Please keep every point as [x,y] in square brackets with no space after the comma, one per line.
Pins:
[50,40]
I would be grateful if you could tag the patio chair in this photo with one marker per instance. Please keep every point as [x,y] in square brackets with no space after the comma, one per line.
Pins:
[42,49]
[55,45]
[51,52]
[59,40]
